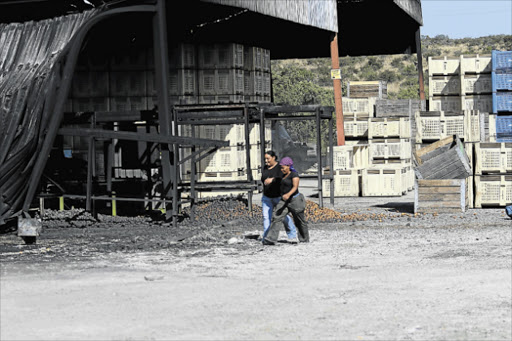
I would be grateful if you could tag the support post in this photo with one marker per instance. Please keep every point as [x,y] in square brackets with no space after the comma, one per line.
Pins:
[248,155]
[162,86]
[319,156]
[420,64]
[193,176]
[335,64]
[331,162]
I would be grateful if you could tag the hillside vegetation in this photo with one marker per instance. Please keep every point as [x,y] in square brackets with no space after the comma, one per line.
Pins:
[308,81]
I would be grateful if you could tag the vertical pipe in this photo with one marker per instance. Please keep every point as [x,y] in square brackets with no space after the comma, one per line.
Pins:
[331,160]
[319,157]
[248,155]
[90,168]
[262,138]
[420,64]
[162,85]
[335,64]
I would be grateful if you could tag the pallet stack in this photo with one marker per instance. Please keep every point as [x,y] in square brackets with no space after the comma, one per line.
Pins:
[493,157]
[460,84]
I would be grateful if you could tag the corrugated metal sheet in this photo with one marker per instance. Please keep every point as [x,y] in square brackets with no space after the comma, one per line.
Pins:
[411,7]
[28,60]
[322,14]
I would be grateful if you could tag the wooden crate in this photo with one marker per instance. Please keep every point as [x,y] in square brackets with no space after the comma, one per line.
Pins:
[389,127]
[468,147]
[351,157]
[367,89]
[493,158]
[390,148]
[379,182]
[398,107]
[441,196]
[355,127]
[493,190]
[346,184]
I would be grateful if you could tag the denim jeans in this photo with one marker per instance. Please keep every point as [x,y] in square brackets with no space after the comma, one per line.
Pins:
[268,205]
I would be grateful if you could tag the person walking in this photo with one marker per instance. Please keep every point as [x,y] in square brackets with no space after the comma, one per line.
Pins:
[271,178]
[291,202]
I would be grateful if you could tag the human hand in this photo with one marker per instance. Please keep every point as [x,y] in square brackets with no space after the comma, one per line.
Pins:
[268,181]
[286,196]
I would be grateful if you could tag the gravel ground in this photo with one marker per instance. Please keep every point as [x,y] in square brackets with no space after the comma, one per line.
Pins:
[373,271]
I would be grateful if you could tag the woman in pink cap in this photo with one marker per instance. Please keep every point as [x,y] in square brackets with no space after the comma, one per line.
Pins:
[291,202]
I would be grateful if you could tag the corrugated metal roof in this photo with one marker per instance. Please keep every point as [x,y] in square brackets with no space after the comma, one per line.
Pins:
[321,14]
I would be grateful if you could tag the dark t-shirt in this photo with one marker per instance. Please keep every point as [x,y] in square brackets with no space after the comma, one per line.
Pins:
[273,189]
[287,184]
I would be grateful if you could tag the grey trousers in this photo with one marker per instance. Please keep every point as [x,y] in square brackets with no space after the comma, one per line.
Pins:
[296,207]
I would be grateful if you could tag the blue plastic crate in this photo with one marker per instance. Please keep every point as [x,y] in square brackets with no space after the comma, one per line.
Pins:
[501,101]
[501,81]
[504,128]
[501,61]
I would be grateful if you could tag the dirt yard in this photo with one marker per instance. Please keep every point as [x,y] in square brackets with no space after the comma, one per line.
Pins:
[377,273]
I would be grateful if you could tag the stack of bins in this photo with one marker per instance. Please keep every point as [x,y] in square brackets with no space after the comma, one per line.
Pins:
[432,126]
[493,158]
[348,163]
[227,163]
[220,73]
[460,84]
[257,76]
[390,172]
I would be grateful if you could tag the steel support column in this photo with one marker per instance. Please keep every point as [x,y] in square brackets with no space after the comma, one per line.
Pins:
[319,156]
[420,64]
[338,105]
[164,110]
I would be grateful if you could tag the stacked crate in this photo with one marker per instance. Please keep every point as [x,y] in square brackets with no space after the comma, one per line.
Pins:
[390,172]
[227,163]
[257,76]
[502,81]
[348,162]
[459,84]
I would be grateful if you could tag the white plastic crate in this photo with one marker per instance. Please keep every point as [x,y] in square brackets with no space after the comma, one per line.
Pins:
[377,182]
[229,81]
[493,190]
[254,83]
[182,82]
[481,103]
[128,83]
[389,127]
[230,55]
[493,158]
[477,84]
[443,66]
[350,157]
[182,56]
[438,125]
[207,55]
[403,164]
[355,127]
[265,60]
[134,59]
[358,105]
[91,104]
[445,103]
[128,103]
[444,85]
[390,148]
[87,84]
[253,58]
[475,64]
[346,184]
[207,82]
